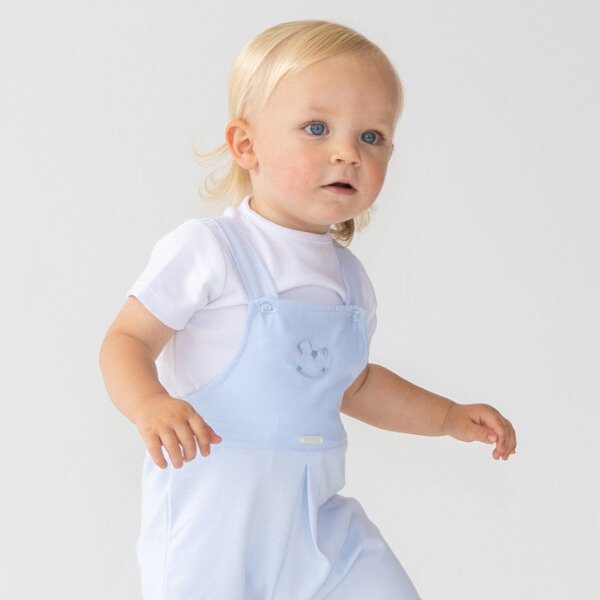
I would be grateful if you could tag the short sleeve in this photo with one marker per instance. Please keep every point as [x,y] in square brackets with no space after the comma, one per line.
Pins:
[370,302]
[186,271]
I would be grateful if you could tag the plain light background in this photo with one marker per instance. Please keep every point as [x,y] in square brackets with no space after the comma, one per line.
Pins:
[484,252]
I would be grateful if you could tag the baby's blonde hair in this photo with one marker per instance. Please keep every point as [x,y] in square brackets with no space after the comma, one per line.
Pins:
[258,69]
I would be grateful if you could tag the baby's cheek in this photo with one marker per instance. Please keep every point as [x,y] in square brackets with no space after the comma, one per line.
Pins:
[294,176]
[377,178]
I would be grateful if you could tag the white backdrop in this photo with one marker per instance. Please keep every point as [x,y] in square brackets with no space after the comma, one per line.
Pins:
[484,252]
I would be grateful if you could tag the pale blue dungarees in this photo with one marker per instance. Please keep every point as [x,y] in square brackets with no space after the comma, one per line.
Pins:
[260,518]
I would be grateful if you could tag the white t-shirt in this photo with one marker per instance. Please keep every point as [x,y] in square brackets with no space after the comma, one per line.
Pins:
[191,285]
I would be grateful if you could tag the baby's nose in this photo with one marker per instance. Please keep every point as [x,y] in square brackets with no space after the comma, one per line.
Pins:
[345,152]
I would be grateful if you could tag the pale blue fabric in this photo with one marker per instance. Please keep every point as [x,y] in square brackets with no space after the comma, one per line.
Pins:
[260,518]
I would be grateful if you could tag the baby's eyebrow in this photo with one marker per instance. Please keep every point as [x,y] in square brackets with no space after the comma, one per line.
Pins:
[314,108]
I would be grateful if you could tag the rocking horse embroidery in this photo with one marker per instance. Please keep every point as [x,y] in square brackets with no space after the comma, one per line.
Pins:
[312,363]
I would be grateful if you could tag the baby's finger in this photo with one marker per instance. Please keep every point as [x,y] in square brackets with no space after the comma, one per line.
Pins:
[171,443]
[204,434]
[154,448]
[510,445]
[187,442]
[507,441]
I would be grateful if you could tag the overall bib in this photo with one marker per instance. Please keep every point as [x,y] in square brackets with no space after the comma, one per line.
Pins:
[260,518]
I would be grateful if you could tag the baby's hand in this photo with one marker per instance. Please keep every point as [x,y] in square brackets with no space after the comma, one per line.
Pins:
[480,422]
[174,424]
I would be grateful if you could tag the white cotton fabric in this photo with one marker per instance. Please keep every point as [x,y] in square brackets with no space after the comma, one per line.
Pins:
[191,285]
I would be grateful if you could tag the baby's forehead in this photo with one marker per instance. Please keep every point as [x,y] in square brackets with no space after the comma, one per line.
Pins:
[351,71]
[372,61]
[342,66]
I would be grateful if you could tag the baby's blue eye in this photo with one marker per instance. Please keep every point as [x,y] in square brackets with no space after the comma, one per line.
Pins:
[316,128]
[370,137]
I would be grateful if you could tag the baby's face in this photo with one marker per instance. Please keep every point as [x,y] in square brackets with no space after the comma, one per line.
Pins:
[322,143]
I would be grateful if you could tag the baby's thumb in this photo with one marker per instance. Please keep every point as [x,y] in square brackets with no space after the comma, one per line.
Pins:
[483,434]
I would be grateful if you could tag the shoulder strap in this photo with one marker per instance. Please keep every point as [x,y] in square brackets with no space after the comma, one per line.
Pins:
[350,269]
[251,269]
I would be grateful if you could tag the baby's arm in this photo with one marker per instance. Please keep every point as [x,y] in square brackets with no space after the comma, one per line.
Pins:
[129,350]
[381,398]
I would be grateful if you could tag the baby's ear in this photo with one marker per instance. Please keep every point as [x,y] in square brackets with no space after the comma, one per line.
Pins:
[241,144]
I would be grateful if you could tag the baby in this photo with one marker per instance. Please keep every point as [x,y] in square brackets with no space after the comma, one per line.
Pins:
[262,319]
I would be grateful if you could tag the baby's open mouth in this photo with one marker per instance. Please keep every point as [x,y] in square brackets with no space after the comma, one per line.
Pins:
[341,184]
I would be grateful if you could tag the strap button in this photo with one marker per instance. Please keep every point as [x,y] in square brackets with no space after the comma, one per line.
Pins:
[266,308]
[354,316]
